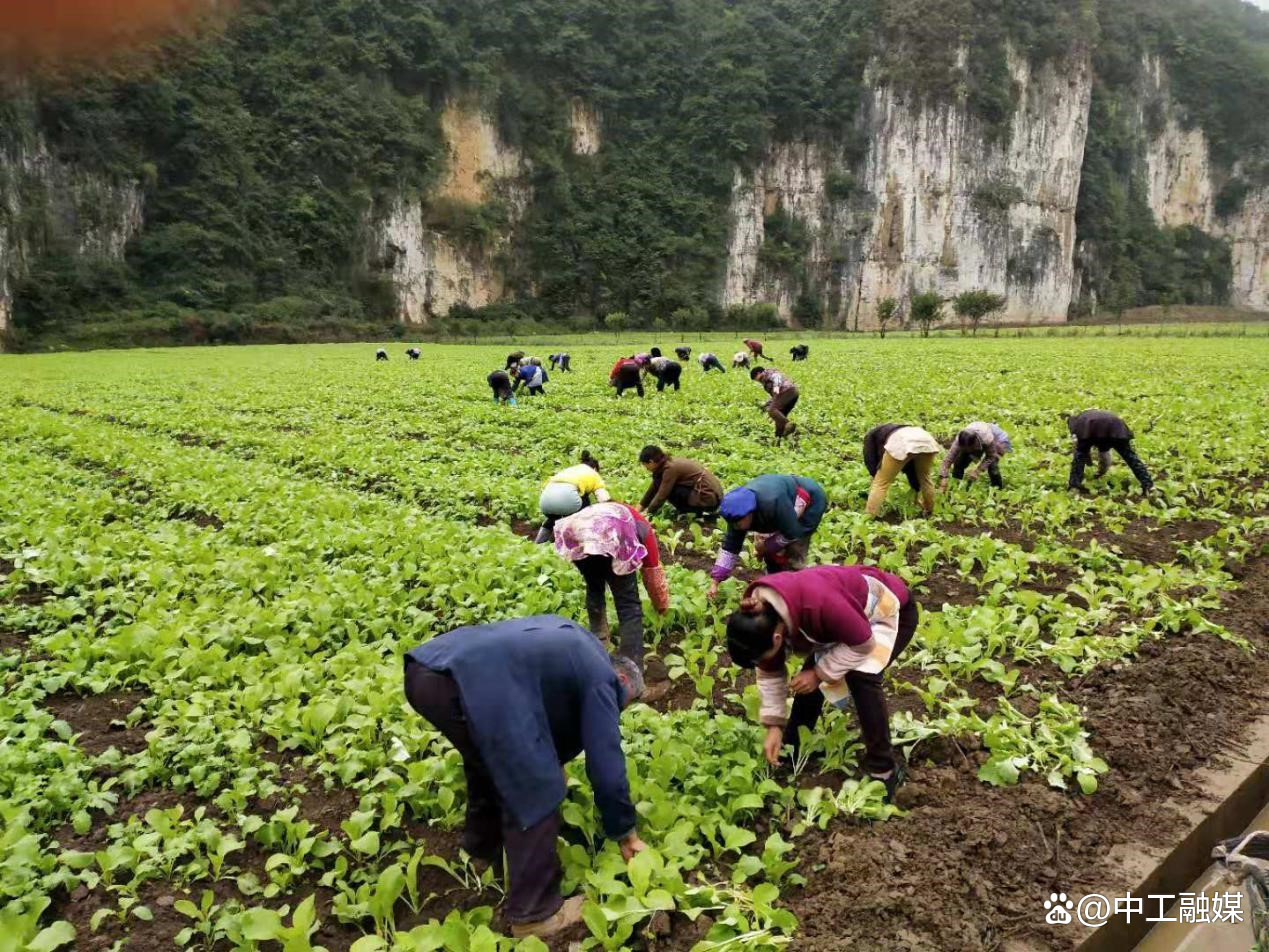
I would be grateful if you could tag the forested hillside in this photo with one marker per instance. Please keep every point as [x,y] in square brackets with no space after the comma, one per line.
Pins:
[235,185]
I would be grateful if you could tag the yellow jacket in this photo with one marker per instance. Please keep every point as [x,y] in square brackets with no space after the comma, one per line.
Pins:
[585,479]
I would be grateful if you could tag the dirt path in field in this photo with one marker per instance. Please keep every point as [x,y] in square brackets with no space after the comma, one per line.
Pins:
[970,866]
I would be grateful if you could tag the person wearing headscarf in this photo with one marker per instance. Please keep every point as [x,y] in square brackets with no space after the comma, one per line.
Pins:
[381,354]
[683,353]
[740,359]
[981,441]
[570,490]
[518,699]
[514,359]
[783,512]
[609,542]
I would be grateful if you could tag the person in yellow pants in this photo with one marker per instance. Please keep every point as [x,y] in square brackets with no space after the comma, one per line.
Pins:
[894,448]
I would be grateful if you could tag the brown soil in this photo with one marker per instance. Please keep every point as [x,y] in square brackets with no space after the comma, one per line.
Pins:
[970,865]
[204,520]
[92,718]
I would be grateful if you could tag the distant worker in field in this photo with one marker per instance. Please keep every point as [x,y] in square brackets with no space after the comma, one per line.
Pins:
[783,511]
[609,542]
[894,448]
[710,362]
[381,354]
[683,353]
[1106,432]
[514,359]
[560,362]
[978,441]
[517,699]
[569,491]
[413,353]
[783,398]
[667,372]
[625,376]
[532,377]
[850,622]
[500,383]
[755,349]
[740,359]
[684,483]
[799,352]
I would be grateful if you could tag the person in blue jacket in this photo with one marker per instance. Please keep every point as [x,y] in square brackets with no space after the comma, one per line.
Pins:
[518,699]
[532,377]
[783,510]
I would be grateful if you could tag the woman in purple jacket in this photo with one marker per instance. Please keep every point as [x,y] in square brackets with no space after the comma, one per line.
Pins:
[851,622]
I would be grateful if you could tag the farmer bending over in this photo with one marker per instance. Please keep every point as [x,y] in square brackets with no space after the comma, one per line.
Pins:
[710,362]
[755,349]
[979,440]
[609,542]
[799,352]
[625,376]
[683,353]
[413,353]
[893,448]
[784,397]
[1106,432]
[532,377]
[784,512]
[683,482]
[381,354]
[514,359]
[518,699]
[740,359]
[850,622]
[667,372]
[569,491]
[560,361]
[500,384]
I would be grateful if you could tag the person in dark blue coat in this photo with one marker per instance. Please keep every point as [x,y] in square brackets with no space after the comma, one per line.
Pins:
[518,699]
[783,510]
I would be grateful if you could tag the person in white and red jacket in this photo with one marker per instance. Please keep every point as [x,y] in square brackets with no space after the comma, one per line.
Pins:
[850,622]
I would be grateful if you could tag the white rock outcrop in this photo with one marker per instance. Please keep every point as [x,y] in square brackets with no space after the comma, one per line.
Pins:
[44,200]
[1183,184]
[942,204]
[431,269]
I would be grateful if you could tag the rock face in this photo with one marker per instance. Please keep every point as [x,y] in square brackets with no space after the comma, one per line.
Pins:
[433,266]
[47,205]
[584,122]
[1184,182]
[941,204]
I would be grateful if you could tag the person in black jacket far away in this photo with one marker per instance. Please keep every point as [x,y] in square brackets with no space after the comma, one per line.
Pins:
[1106,432]
[381,354]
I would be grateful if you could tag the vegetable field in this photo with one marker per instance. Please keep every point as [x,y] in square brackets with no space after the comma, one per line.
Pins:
[212,561]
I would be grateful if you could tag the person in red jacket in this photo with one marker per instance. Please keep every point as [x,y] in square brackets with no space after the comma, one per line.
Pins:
[625,376]
[851,622]
[755,349]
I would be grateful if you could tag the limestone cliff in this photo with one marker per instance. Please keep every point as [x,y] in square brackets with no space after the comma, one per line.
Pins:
[47,205]
[433,264]
[1183,182]
[939,203]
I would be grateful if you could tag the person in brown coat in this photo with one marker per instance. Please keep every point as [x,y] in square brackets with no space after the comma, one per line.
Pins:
[683,482]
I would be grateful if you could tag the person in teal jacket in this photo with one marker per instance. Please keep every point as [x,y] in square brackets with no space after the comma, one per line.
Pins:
[784,511]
